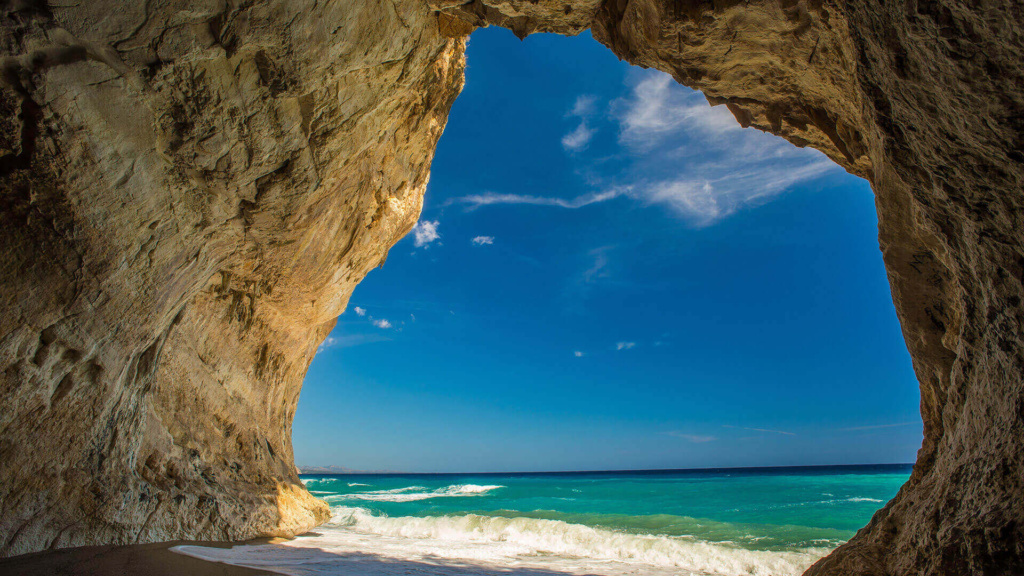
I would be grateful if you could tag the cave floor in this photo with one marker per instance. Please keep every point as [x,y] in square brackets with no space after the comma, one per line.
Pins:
[139,560]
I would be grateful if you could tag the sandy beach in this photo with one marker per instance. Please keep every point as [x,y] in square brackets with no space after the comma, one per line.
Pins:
[140,560]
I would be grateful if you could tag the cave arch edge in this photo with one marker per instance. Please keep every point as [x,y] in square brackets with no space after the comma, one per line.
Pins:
[831,76]
[190,279]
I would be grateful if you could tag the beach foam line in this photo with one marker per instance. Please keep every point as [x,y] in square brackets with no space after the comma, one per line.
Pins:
[517,537]
[414,493]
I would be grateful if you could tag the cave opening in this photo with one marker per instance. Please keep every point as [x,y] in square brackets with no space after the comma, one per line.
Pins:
[193,195]
[609,274]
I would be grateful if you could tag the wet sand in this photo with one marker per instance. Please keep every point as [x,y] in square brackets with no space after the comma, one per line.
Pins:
[141,560]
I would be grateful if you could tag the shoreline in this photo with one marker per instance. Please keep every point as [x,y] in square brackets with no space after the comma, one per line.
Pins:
[155,559]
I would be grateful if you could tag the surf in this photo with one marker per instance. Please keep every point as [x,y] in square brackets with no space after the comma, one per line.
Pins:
[414,493]
[737,522]
[522,536]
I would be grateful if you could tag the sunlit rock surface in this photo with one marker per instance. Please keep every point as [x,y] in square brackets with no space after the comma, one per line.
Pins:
[191,191]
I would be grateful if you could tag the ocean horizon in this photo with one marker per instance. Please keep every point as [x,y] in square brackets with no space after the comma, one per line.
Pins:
[751,521]
[311,470]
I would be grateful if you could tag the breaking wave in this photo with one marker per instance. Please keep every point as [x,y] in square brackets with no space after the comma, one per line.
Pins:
[531,536]
[413,493]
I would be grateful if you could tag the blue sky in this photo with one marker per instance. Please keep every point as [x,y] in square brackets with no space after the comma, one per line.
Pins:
[610,274]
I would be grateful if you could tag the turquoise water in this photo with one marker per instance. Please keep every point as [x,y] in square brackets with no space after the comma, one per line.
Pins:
[759,509]
[736,522]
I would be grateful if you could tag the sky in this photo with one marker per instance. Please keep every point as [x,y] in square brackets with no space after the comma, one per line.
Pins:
[610,274]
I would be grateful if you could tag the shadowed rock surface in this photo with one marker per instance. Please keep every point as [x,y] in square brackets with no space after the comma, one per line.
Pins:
[192,190]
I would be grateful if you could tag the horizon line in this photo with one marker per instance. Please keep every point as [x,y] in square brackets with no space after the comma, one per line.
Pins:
[617,471]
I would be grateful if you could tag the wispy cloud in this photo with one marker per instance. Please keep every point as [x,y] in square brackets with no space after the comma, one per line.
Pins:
[579,138]
[695,438]
[483,240]
[599,268]
[876,427]
[624,345]
[350,340]
[425,232]
[705,202]
[583,108]
[658,109]
[578,354]
[381,323]
[474,201]
[696,160]
[677,152]
[783,432]
[596,273]
[360,311]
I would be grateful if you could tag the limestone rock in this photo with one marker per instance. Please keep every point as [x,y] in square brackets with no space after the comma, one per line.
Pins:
[190,191]
[924,100]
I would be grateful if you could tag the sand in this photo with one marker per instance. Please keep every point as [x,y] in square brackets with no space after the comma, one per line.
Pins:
[141,560]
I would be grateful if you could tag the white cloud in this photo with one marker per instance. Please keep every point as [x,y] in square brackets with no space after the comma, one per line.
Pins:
[695,438]
[382,323]
[599,269]
[579,138]
[678,153]
[658,108]
[783,432]
[425,232]
[584,106]
[625,345]
[705,202]
[360,311]
[488,198]
[482,240]
[696,160]
[578,354]
[689,198]
[596,274]
[350,340]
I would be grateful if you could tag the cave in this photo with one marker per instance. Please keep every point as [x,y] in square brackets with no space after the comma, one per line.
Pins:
[191,191]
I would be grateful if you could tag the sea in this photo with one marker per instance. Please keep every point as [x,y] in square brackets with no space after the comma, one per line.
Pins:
[718,522]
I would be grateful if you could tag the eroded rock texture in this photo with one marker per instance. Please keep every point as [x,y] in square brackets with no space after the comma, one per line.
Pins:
[191,192]
[924,99]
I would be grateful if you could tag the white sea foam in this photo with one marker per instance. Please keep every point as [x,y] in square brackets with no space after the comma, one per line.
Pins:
[357,539]
[351,484]
[820,502]
[414,493]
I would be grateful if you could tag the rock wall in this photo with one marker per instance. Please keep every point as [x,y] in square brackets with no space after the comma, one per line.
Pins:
[925,99]
[191,192]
